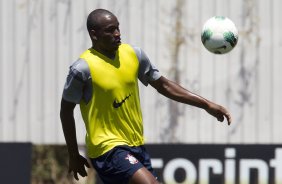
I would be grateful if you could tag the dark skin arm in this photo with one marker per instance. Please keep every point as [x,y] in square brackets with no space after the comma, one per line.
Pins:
[176,92]
[76,161]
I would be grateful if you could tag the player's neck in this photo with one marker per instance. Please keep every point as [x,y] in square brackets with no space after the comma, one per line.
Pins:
[109,54]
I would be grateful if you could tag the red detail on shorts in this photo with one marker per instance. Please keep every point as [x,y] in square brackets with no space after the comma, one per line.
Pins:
[131,159]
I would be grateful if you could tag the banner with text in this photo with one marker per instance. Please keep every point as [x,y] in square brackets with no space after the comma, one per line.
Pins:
[217,164]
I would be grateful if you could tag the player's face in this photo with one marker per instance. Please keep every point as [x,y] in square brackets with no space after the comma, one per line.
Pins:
[108,34]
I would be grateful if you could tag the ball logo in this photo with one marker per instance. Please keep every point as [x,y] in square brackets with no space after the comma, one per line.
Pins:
[131,159]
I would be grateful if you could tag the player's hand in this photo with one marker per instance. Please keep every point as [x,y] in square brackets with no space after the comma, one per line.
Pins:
[76,165]
[219,113]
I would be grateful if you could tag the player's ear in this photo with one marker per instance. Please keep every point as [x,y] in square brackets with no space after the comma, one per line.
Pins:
[93,35]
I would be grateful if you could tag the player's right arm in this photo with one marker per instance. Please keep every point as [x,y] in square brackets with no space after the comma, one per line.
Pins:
[76,161]
[74,92]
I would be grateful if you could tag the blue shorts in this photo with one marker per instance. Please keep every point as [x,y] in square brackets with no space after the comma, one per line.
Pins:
[120,163]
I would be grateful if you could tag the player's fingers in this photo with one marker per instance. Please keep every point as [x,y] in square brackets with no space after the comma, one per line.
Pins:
[229,121]
[86,163]
[226,115]
[220,118]
[75,175]
[83,173]
[228,118]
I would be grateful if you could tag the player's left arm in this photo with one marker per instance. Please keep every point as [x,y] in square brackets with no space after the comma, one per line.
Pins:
[176,92]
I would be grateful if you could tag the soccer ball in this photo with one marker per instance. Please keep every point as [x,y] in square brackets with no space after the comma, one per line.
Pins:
[219,35]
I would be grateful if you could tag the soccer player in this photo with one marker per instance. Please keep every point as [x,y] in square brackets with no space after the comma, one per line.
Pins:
[104,82]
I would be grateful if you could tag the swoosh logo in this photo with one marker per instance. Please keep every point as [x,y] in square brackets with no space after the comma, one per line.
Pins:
[118,104]
[221,47]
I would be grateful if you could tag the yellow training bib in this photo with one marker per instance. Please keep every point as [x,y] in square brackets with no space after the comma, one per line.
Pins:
[113,115]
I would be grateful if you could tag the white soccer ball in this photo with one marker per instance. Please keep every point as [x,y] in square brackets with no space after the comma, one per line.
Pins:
[219,35]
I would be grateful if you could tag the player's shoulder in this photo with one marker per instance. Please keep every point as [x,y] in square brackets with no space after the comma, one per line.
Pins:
[137,50]
[80,65]
[134,47]
[80,69]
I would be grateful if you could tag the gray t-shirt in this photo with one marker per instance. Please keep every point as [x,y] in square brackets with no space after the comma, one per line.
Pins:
[78,84]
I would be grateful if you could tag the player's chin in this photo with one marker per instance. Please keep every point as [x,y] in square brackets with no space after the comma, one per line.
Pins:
[116,45]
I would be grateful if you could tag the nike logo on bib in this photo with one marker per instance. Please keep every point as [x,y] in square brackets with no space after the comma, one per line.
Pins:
[118,104]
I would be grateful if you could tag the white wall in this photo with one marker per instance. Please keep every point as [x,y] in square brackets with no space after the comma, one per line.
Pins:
[40,39]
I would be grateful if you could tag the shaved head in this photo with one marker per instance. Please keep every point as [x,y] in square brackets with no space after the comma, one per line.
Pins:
[103,29]
[94,18]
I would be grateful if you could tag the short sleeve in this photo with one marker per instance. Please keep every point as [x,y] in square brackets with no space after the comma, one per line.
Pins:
[78,83]
[147,71]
